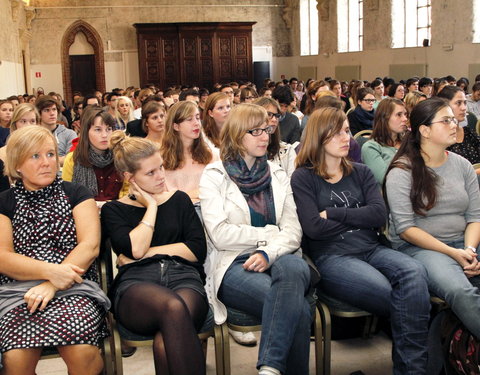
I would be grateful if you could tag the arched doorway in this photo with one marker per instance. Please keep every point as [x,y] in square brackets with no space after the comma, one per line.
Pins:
[93,38]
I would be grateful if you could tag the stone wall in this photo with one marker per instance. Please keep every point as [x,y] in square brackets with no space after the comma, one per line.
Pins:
[113,20]
[450,51]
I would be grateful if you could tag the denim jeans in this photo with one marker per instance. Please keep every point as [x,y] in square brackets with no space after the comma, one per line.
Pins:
[447,280]
[388,283]
[277,297]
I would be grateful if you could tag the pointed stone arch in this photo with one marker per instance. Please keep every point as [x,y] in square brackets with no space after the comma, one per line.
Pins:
[96,41]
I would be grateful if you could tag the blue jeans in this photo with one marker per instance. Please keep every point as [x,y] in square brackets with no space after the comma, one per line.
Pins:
[277,297]
[447,280]
[388,283]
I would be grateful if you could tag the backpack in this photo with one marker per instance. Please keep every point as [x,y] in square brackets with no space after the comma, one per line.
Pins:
[461,348]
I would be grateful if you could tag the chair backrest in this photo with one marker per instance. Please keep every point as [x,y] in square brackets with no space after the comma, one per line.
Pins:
[363,133]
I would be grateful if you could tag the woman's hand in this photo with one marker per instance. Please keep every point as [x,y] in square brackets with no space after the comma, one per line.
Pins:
[256,263]
[64,275]
[144,198]
[39,296]
[323,214]
[468,260]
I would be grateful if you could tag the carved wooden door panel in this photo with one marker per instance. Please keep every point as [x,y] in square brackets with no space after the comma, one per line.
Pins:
[194,53]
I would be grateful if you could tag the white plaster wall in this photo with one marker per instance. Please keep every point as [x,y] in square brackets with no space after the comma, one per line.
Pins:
[376,62]
[11,79]
[51,79]
[81,46]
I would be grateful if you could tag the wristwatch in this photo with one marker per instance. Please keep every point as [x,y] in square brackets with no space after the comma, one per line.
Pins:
[471,248]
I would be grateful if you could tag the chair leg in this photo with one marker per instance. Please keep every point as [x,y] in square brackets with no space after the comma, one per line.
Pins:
[226,349]
[327,336]
[318,343]
[116,346]
[367,327]
[219,350]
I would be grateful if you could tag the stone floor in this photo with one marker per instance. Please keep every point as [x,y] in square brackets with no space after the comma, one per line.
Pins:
[371,356]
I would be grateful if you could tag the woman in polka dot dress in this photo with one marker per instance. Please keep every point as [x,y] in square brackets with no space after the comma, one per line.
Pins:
[49,239]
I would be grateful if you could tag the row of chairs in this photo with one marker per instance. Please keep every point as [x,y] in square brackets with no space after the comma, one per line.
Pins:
[322,308]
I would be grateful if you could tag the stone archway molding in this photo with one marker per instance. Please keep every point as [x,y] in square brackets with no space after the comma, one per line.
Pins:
[96,41]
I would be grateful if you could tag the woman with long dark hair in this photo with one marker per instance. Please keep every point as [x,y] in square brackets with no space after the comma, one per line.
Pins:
[434,203]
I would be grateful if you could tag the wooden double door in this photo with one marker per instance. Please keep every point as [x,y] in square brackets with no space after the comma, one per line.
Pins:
[199,54]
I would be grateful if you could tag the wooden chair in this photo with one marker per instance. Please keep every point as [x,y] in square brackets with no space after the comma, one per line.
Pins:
[106,347]
[242,322]
[118,332]
[328,306]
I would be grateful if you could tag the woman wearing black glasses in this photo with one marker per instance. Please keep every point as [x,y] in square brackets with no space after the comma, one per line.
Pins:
[281,153]
[434,205]
[361,118]
[249,214]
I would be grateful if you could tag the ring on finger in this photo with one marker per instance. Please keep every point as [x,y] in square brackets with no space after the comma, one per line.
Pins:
[40,297]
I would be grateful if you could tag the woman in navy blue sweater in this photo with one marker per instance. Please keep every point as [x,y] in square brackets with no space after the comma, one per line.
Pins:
[340,209]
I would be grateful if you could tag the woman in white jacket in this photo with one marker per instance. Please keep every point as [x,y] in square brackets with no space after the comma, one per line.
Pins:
[250,217]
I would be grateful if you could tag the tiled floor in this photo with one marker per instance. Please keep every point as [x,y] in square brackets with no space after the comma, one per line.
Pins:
[371,356]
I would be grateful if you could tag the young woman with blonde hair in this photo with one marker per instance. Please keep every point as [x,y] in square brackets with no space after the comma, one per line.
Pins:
[123,112]
[161,293]
[249,215]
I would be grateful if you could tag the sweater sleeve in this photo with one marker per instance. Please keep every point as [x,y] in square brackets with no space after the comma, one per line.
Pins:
[372,157]
[308,211]
[67,169]
[398,185]
[373,214]
[193,232]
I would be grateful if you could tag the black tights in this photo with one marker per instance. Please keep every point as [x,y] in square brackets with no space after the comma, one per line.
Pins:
[173,318]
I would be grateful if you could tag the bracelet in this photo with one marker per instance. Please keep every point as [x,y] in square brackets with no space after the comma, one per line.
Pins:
[471,248]
[148,225]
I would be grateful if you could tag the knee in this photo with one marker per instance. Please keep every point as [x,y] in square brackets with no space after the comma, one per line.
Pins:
[414,272]
[174,307]
[82,359]
[291,268]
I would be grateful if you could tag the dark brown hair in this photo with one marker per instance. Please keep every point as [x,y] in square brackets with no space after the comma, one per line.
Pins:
[381,131]
[423,193]
[80,155]
[322,125]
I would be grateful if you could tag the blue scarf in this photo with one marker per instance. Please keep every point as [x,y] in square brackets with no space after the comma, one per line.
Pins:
[256,186]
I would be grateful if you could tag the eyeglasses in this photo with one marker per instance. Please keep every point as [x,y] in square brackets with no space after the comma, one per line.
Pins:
[272,115]
[446,121]
[369,100]
[258,131]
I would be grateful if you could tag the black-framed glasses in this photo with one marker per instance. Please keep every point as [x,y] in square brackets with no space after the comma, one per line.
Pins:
[258,131]
[272,115]
[369,100]
[446,121]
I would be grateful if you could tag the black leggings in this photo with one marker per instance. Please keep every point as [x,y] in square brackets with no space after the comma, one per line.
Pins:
[173,318]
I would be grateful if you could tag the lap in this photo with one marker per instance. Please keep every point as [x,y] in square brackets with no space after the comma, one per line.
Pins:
[444,272]
[240,287]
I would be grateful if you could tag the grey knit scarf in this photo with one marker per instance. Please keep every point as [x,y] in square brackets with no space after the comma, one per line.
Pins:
[86,175]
